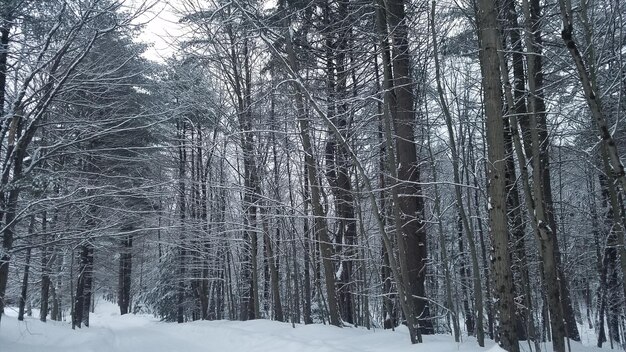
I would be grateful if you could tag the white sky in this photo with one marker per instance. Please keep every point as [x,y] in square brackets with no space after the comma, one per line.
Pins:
[161,27]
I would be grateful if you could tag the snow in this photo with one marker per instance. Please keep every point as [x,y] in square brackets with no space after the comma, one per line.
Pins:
[496,348]
[339,271]
[110,332]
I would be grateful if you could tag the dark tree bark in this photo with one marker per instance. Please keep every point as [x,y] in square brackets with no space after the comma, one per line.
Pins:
[7,236]
[9,223]
[82,299]
[465,280]
[182,214]
[337,157]
[202,176]
[125,271]
[525,314]
[539,126]
[412,233]
[24,293]
[272,270]
[307,251]
[608,290]
[46,261]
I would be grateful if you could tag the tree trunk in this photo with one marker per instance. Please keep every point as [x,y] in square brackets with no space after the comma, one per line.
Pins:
[337,162]
[489,42]
[307,249]
[125,271]
[411,234]
[273,271]
[548,243]
[517,105]
[55,312]
[182,213]
[46,261]
[399,268]
[24,293]
[203,172]
[541,162]
[612,164]
[389,309]
[591,94]
[82,299]
[7,237]
[320,226]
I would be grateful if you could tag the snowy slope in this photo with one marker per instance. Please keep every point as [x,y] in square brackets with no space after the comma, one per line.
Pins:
[132,333]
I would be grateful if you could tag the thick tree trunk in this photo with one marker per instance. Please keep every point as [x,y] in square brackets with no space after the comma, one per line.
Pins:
[8,233]
[24,293]
[307,251]
[337,156]
[517,105]
[412,233]
[45,292]
[82,299]
[489,42]
[399,267]
[46,262]
[88,287]
[608,291]
[538,224]
[125,271]
[203,172]
[539,148]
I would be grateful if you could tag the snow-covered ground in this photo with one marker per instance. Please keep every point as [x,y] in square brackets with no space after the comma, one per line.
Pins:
[110,332]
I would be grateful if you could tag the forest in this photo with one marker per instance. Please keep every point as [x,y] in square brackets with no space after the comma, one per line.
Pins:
[450,166]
